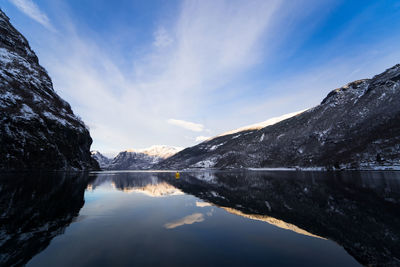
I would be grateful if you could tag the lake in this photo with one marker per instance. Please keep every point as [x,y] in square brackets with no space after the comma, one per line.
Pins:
[241,218]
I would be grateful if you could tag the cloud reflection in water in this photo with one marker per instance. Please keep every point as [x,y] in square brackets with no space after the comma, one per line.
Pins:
[190,219]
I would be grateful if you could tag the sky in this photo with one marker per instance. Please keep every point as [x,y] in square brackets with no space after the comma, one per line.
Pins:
[142,73]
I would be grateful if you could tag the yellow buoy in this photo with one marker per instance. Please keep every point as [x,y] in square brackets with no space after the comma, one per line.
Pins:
[177,175]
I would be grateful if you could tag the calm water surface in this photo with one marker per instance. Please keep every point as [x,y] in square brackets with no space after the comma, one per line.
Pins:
[201,219]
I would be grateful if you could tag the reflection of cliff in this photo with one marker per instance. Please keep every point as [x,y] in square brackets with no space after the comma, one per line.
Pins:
[359,211]
[271,220]
[145,183]
[34,209]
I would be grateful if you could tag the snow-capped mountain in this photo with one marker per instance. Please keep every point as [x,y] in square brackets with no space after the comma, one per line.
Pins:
[160,151]
[356,127]
[103,161]
[38,129]
[142,159]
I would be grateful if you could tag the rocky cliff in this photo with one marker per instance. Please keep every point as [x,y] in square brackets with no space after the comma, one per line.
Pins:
[355,127]
[38,129]
[103,161]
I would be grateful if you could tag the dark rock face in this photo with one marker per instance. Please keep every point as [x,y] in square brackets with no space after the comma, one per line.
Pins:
[34,208]
[356,126]
[38,129]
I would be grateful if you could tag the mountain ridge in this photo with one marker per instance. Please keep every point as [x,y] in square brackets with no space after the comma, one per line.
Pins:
[355,127]
[136,159]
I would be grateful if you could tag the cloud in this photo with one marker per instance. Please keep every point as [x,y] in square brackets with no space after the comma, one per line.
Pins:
[195,127]
[162,38]
[202,204]
[190,219]
[126,99]
[32,10]
[201,138]
[200,65]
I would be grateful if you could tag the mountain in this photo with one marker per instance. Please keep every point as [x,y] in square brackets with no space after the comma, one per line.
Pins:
[38,129]
[355,127]
[103,161]
[142,159]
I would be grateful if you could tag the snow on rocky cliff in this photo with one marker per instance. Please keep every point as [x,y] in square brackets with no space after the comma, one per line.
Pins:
[38,129]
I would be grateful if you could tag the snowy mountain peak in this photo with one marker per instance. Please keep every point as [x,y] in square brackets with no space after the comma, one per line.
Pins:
[140,159]
[161,151]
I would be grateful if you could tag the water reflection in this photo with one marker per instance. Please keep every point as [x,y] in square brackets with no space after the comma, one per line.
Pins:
[146,183]
[34,209]
[357,210]
[190,219]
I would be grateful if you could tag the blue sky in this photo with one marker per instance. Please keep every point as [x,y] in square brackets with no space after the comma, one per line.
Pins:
[141,73]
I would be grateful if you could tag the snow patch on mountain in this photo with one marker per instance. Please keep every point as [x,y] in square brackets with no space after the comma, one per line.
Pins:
[262,124]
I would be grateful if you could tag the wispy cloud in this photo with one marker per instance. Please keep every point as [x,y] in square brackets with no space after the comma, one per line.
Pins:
[32,10]
[195,127]
[198,66]
[162,38]
[190,219]
[197,55]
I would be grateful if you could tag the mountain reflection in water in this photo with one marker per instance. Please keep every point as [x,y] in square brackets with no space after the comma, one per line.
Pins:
[357,210]
[34,209]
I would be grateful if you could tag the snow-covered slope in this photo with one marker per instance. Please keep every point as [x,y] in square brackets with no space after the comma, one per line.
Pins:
[263,124]
[355,126]
[142,159]
[38,129]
